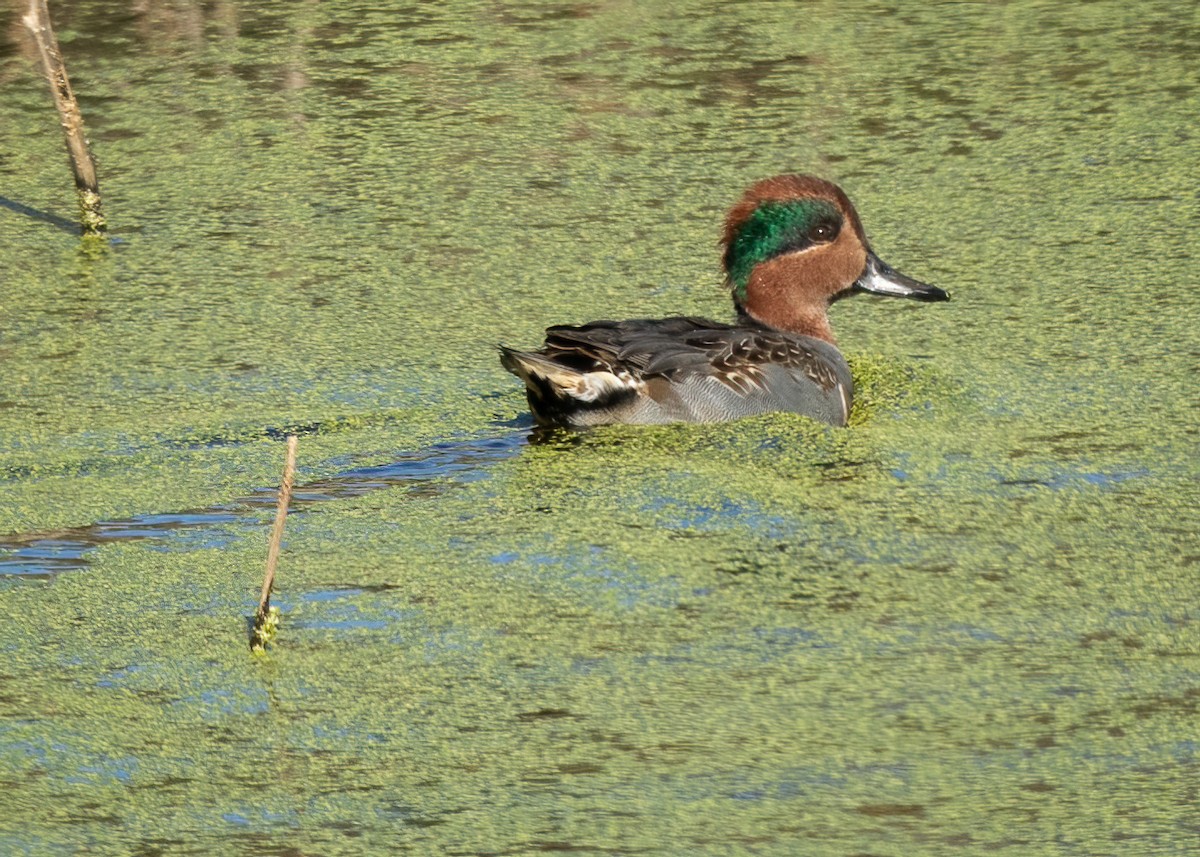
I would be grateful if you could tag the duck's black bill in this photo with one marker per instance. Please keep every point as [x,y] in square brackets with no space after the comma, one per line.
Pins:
[879,278]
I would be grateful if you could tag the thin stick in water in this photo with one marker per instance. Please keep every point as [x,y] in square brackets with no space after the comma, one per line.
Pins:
[266,617]
[37,21]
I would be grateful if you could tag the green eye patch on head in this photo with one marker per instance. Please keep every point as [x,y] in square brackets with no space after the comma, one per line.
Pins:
[776,228]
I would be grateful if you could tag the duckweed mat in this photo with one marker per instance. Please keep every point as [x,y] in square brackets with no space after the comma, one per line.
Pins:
[967,624]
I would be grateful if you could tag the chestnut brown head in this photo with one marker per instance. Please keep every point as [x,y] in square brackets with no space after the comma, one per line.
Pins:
[793,245]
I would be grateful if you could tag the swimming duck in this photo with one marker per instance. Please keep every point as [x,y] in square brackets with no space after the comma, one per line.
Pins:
[793,245]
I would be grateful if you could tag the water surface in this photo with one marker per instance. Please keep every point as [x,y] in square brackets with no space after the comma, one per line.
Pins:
[965,625]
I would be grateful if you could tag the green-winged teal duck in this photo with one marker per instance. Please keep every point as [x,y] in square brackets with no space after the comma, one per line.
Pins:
[793,245]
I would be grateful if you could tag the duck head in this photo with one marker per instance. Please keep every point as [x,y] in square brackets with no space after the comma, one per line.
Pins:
[794,245]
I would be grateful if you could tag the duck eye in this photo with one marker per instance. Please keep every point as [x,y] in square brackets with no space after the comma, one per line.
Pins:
[823,232]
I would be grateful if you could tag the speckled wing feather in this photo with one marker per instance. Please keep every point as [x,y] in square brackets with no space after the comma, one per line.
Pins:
[674,347]
[696,370]
[605,344]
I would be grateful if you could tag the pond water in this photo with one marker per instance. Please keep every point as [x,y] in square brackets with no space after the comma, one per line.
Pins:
[967,624]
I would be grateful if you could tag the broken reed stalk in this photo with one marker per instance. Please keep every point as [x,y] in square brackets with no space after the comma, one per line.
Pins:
[37,21]
[266,617]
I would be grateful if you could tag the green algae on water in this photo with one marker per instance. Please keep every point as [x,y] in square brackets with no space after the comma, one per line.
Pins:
[963,625]
[884,384]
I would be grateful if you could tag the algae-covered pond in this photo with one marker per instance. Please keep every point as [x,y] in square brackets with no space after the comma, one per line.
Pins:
[967,624]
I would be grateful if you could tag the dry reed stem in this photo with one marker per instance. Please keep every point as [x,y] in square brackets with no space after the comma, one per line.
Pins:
[37,21]
[262,615]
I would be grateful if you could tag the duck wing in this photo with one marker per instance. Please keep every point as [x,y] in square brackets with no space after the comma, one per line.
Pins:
[681,368]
